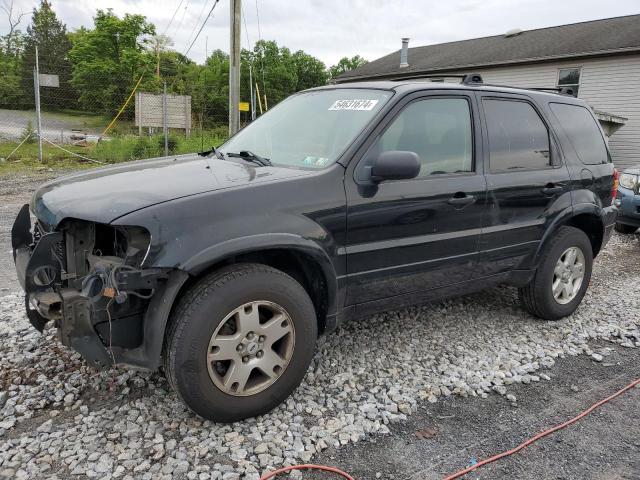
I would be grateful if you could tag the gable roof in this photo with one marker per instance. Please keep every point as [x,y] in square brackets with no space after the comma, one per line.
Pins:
[594,38]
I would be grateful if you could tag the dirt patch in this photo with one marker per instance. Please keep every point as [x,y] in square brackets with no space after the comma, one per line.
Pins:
[450,435]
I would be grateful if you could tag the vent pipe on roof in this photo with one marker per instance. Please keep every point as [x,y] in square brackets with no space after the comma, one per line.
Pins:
[404,53]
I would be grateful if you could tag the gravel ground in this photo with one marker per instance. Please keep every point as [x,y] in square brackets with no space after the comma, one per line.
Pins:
[60,419]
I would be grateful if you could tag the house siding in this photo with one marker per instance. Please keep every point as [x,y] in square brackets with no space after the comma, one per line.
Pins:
[610,84]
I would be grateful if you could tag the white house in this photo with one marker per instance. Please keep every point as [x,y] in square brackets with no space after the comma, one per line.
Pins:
[598,60]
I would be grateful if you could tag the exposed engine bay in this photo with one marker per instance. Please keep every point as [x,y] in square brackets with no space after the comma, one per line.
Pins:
[88,278]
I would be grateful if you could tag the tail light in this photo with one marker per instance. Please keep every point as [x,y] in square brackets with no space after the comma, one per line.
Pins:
[616,182]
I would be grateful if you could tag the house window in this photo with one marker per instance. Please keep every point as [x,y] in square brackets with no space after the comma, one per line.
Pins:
[569,78]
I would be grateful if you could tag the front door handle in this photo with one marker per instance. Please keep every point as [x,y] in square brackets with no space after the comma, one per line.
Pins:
[552,189]
[460,200]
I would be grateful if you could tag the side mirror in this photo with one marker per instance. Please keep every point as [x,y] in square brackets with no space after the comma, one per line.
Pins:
[395,165]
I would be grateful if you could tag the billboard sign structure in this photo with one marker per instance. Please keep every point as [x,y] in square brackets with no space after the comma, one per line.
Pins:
[48,80]
[150,111]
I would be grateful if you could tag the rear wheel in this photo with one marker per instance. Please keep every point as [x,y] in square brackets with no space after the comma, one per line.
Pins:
[562,277]
[623,228]
[240,342]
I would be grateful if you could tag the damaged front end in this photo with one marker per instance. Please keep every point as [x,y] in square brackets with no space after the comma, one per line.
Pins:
[88,278]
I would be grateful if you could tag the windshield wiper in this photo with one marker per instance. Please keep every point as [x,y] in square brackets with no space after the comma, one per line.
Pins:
[251,157]
[219,155]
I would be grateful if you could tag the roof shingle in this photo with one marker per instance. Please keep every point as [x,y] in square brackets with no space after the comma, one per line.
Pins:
[598,37]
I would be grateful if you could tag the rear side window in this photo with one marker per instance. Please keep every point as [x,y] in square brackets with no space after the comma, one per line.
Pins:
[583,132]
[518,138]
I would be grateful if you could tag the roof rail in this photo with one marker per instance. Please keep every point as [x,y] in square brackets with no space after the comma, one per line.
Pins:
[559,90]
[465,78]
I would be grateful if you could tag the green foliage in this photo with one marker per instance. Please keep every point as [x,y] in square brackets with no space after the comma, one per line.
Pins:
[28,134]
[346,64]
[50,35]
[109,60]
[11,47]
[172,143]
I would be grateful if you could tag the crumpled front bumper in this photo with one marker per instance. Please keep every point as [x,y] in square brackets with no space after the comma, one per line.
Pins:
[84,315]
[38,267]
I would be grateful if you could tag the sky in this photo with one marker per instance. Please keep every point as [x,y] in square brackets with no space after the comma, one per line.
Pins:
[332,29]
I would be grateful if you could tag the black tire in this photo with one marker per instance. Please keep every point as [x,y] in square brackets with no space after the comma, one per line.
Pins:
[625,229]
[537,297]
[203,308]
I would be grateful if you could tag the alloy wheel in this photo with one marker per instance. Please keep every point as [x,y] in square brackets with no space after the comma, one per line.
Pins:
[251,348]
[568,275]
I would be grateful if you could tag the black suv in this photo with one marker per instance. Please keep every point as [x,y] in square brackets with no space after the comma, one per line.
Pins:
[223,267]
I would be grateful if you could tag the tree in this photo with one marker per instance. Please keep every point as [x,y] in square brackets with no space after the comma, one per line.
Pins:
[109,60]
[11,46]
[159,45]
[13,19]
[345,64]
[310,71]
[50,35]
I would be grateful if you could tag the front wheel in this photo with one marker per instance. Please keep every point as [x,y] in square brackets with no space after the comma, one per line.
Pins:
[623,228]
[562,277]
[240,342]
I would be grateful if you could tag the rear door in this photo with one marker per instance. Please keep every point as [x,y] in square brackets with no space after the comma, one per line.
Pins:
[527,181]
[414,235]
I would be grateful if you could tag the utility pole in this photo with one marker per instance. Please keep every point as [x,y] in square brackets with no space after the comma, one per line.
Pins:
[165,128]
[234,67]
[36,88]
[252,98]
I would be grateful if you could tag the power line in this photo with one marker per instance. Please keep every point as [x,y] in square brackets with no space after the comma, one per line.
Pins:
[203,24]
[186,6]
[246,30]
[264,87]
[197,22]
[172,17]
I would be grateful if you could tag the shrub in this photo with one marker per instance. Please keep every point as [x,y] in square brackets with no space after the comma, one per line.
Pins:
[28,133]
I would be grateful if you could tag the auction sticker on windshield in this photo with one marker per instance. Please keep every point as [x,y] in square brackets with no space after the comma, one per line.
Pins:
[354,104]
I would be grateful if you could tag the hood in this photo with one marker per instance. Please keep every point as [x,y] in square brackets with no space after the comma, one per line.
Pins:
[104,194]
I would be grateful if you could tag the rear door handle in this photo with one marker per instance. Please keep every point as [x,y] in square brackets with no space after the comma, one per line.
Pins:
[460,201]
[552,189]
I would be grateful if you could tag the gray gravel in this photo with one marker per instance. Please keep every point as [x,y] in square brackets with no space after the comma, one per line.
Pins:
[61,419]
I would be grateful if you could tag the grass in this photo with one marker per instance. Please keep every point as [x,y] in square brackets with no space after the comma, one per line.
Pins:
[78,118]
[119,148]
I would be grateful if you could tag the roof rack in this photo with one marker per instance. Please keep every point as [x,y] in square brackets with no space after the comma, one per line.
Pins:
[465,78]
[476,79]
[559,90]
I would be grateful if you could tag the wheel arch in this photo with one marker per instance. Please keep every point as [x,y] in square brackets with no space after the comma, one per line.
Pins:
[586,217]
[301,258]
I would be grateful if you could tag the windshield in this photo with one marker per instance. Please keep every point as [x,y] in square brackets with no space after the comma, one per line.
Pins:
[311,129]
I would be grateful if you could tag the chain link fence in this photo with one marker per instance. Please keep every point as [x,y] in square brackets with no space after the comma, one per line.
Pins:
[129,125]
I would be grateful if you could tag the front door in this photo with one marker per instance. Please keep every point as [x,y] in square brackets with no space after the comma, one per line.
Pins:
[413,235]
[527,182]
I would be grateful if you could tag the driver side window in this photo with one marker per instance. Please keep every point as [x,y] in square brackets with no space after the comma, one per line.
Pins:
[438,130]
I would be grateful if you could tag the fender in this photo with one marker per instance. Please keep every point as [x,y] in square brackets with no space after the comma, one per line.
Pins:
[149,354]
[563,217]
[267,241]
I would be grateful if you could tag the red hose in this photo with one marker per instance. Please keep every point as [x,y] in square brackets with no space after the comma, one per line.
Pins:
[542,434]
[307,466]
[481,463]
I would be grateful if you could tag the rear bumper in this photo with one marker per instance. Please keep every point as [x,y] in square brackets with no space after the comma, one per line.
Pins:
[608,220]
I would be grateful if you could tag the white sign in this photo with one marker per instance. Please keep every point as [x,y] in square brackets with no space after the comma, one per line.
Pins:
[149,111]
[47,80]
[353,105]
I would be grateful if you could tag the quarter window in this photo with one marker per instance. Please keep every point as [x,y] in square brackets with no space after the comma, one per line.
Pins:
[569,77]
[438,130]
[583,132]
[518,139]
